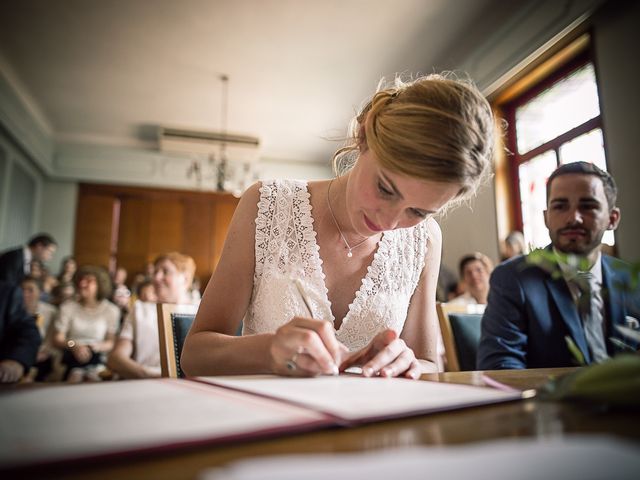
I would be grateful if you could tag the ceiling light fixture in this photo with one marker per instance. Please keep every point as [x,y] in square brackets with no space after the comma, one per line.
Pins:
[231,158]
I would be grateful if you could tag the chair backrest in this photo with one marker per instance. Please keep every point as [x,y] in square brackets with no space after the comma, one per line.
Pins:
[173,328]
[460,327]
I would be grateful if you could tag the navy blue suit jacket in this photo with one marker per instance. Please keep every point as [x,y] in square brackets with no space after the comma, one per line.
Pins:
[19,335]
[530,312]
[12,266]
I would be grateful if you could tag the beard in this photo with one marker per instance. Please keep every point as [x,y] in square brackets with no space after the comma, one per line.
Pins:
[582,244]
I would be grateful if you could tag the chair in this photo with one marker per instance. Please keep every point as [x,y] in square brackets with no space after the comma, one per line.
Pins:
[172,331]
[460,327]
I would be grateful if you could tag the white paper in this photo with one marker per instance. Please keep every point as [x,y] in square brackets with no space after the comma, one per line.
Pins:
[570,458]
[74,421]
[358,398]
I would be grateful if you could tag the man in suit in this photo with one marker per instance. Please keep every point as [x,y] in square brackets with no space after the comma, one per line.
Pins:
[16,264]
[19,336]
[560,306]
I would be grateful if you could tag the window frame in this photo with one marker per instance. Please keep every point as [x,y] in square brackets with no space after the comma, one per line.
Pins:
[508,109]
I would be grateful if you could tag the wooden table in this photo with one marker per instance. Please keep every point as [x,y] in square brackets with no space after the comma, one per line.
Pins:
[528,418]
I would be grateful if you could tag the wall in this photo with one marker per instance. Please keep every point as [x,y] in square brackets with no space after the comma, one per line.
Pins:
[20,192]
[270,169]
[470,227]
[58,216]
[616,33]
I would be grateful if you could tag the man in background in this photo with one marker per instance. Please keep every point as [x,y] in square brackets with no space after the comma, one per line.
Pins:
[19,336]
[563,306]
[15,264]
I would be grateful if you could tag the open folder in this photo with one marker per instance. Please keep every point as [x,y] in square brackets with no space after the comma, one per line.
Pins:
[52,425]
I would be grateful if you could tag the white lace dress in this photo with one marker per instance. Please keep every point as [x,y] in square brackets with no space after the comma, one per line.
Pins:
[286,248]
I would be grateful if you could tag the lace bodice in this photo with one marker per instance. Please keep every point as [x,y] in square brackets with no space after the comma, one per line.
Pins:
[286,248]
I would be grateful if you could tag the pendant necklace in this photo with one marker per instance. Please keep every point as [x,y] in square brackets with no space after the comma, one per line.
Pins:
[349,247]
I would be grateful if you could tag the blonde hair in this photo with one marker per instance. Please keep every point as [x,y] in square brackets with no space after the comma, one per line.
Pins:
[434,128]
[184,264]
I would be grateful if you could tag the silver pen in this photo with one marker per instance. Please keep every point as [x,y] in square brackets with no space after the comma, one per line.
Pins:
[305,299]
[303,295]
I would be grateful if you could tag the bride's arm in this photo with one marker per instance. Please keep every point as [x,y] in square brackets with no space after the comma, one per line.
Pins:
[211,347]
[421,329]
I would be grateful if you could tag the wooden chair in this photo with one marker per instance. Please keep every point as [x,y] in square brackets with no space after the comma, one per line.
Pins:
[172,329]
[460,327]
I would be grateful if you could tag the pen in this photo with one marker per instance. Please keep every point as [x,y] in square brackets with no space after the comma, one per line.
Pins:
[487,380]
[490,382]
[305,299]
[303,295]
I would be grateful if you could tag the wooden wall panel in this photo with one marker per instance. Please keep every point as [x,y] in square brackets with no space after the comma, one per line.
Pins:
[197,240]
[166,227]
[94,221]
[133,234]
[151,222]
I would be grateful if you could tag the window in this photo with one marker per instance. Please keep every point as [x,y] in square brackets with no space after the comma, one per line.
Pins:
[554,121]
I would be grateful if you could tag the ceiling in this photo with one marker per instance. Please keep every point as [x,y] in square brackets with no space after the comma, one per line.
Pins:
[109,72]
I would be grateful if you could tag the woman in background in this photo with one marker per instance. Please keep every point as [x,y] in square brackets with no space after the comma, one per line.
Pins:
[137,351]
[85,328]
[67,270]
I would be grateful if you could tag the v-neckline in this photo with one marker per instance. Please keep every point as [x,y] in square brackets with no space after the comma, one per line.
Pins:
[323,278]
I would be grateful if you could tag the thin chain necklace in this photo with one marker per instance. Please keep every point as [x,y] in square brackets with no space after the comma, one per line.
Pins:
[349,247]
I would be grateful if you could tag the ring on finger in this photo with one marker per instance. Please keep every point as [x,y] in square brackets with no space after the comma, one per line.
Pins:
[291,364]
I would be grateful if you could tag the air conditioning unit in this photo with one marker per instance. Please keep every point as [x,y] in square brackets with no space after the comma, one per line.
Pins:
[242,148]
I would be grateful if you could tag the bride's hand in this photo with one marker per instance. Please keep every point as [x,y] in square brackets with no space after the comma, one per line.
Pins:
[306,347]
[386,355]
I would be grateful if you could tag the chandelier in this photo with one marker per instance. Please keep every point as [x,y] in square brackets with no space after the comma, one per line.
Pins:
[219,160]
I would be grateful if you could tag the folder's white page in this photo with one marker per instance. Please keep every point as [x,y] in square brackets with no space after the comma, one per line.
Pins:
[70,422]
[356,398]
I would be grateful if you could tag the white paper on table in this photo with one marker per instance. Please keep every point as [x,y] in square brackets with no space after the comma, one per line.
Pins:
[568,458]
[72,422]
[356,399]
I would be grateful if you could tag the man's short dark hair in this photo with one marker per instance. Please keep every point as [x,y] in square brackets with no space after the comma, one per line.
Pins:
[43,239]
[609,184]
[34,280]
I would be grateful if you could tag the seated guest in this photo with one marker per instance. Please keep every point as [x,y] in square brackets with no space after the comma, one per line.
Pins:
[48,282]
[61,293]
[19,337]
[121,293]
[15,264]
[447,281]
[85,329]
[37,270]
[137,350]
[475,270]
[146,292]
[43,314]
[512,246]
[67,270]
[562,311]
